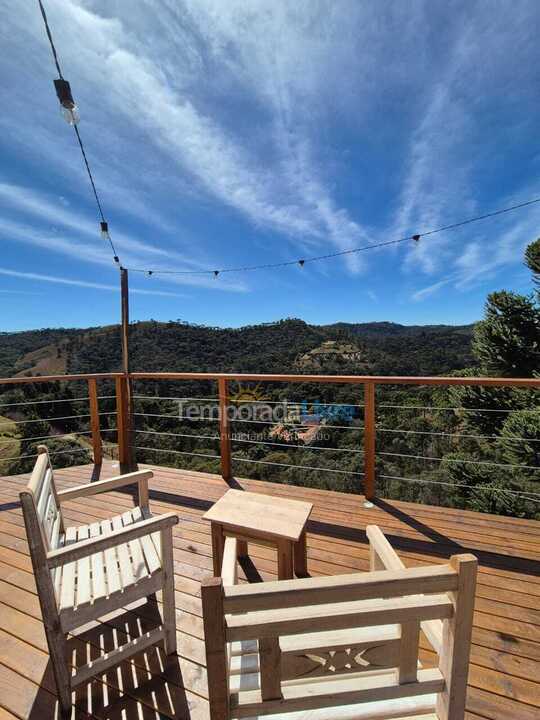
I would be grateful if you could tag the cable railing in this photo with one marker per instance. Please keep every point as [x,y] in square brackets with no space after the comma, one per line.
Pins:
[373,422]
[374,446]
[87,432]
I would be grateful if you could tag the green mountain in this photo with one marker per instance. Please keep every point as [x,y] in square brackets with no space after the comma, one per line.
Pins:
[286,346]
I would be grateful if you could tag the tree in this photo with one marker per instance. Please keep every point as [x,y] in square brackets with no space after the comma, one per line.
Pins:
[532,260]
[520,440]
[507,341]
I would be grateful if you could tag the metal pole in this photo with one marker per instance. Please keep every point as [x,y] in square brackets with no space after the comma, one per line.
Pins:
[127,404]
[124,290]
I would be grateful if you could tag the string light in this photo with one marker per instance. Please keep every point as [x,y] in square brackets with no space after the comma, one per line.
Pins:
[340,253]
[70,110]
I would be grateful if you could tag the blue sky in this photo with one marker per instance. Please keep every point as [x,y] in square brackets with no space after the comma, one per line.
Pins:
[228,132]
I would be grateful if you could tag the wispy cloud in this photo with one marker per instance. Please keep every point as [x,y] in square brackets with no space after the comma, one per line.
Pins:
[40,277]
[279,187]
[50,225]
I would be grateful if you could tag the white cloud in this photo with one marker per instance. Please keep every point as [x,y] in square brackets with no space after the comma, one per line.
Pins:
[122,62]
[39,277]
[426,292]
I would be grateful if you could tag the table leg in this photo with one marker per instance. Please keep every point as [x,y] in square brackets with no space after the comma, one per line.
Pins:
[218,543]
[300,556]
[285,560]
[241,548]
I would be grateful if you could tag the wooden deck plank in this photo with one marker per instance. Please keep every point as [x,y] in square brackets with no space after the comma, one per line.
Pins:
[505,660]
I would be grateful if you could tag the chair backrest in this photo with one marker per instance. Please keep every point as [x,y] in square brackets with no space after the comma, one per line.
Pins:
[44,503]
[341,641]
[44,523]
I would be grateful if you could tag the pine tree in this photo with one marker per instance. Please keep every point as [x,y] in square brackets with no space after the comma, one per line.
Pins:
[507,344]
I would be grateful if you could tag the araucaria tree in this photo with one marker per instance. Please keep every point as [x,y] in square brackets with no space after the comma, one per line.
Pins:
[507,344]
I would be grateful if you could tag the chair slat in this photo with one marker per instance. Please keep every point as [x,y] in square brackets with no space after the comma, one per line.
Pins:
[290,621]
[111,561]
[84,589]
[148,544]
[99,587]
[139,567]
[124,560]
[335,692]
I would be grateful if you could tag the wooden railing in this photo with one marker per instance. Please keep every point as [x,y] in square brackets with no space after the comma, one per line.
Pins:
[368,383]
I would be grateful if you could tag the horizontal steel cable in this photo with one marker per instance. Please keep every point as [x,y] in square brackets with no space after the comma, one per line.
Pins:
[528,496]
[297,467]
[302,447]
[64,417]
[457,461]
[178,452]
[55,452]
[42,402]
[456,409]
[176,417]
[457,435]
[184,435]
[161,397]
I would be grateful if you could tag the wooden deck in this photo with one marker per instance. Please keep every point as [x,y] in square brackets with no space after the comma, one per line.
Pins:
[504,679]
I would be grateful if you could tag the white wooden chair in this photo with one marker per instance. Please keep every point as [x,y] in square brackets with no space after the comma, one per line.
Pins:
[342,647]
[83,573]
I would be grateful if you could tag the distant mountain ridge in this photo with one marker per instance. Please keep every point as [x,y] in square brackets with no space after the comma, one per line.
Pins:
[285,346]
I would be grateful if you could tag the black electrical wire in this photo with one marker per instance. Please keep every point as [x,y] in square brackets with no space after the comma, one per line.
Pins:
[51,41]
[302,261]
[78,135]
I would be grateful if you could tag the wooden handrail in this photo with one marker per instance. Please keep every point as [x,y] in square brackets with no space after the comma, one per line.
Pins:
[345,379]
[251,377]
[57,378]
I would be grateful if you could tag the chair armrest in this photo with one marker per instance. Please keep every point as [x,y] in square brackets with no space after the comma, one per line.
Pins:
[84,548]
[384,557]
[141,477]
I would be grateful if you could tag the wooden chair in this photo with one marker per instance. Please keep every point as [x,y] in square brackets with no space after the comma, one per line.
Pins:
[349,643]
[83,573]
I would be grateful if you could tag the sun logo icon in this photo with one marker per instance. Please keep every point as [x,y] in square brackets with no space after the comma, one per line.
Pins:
[247,395]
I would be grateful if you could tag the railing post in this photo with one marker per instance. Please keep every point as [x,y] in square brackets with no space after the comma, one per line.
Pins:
[123,423]
[94,421]
[369,441]
[224,429]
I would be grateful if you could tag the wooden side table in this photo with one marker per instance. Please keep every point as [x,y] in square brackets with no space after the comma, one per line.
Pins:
[262,520]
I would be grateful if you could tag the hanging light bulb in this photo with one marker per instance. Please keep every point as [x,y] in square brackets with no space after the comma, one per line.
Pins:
[301,263]
[104,227]
[216,273]
[70,110]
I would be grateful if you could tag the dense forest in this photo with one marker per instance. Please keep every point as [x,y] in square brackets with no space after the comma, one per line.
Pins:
[464,447]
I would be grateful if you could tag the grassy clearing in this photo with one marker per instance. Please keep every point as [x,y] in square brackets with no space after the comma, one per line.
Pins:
[10,445]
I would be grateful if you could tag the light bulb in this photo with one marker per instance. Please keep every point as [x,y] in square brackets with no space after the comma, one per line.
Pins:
[104,227]
[71,115]
[70,111]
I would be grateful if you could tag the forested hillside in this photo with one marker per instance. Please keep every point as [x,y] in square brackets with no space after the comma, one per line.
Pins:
[385,348]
